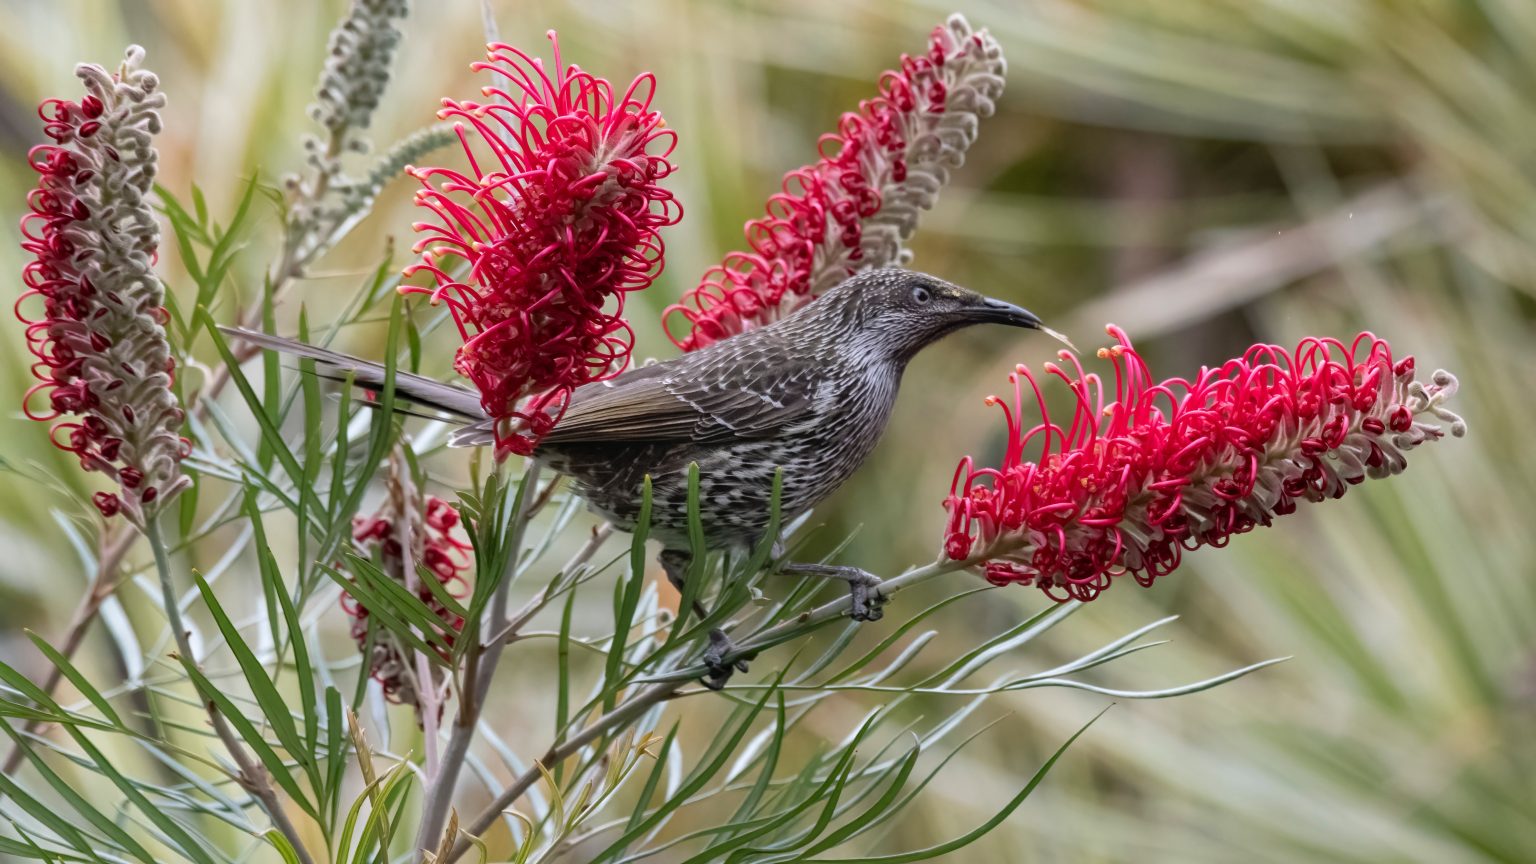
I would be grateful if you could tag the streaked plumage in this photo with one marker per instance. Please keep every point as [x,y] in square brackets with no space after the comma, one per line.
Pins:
[810,394]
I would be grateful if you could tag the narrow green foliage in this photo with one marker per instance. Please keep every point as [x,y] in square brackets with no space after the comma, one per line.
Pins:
[268,757]
[269,431]
[563,670]
[194,232]
[174,832]
[281,844]
[439,591]
[698,562]
[271,377]
[74,677]
[63,828]
[314,441]
[627,598]
[370,587]
[976,833]
[385,425]
[734,730]
[273,707]
[336,752]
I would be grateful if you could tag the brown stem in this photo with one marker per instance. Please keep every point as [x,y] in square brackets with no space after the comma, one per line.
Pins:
[479,668]
[255,780]
[114,545]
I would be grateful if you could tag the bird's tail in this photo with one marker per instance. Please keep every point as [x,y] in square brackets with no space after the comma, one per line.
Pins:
[458,402]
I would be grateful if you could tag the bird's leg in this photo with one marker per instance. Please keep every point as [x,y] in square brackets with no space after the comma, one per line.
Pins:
[863,587]
[675,563]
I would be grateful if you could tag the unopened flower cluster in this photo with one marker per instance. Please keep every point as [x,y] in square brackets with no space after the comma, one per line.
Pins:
[103,362]
[357,66]
[859,203]
[557,220]
[357,71]
[427,529]
[1127,486]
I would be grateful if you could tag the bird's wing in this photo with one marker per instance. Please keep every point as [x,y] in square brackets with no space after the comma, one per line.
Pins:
[704,403]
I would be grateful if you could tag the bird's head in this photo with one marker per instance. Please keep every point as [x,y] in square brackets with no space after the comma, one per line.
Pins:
[899,312]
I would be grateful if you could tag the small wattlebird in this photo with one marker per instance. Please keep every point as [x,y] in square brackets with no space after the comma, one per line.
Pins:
[808,395]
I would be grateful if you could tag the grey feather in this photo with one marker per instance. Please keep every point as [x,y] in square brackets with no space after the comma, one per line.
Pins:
[457,401]
[809,395]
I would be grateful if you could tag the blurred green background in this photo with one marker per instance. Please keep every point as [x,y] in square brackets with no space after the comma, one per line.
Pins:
[1205,174]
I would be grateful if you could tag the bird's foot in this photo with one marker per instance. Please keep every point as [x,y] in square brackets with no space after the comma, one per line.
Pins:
[716,660]
[868,604]
[865,600]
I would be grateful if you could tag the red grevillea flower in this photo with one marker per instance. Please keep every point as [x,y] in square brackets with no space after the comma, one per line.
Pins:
[859,203]
[403,523]
[557,219]
[102,355]
[1128,486]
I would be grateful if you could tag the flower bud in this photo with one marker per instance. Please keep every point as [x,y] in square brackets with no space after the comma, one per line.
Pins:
[102,356]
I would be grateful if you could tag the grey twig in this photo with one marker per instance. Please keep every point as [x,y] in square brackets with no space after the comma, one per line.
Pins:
[479,668]
[667,687]
[253,776]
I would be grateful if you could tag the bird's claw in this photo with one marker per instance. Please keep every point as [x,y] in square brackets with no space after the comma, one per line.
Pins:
[720,669]
[864,596]
[866,601]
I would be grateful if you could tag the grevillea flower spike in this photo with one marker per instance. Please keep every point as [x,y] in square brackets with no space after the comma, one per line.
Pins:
[1126,487]
[558,220]
[409,529]
[102,357]
[859,203]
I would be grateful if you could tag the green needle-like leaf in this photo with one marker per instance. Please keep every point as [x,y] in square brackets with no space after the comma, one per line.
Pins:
[269,431]
[73,675]
[273,706]
[242,724]
[627,598]
[974,834]
[50,818]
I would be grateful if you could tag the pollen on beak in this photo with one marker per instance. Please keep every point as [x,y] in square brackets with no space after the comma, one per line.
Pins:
[1002,312]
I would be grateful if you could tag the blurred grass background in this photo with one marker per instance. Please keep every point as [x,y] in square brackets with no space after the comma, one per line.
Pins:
[1205,175]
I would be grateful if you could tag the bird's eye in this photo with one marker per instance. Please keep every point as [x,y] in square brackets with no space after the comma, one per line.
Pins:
[921,295]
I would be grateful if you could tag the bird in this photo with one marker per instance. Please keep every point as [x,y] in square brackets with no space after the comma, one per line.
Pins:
[806,397]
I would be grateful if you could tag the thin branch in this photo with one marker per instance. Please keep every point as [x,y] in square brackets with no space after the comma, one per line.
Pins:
[815,618]
[537,602]
[114,545]
[253,776]
[410,533]
[667,687]
[479,668]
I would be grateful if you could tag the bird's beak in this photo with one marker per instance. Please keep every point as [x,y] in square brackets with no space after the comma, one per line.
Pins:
[998,312]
